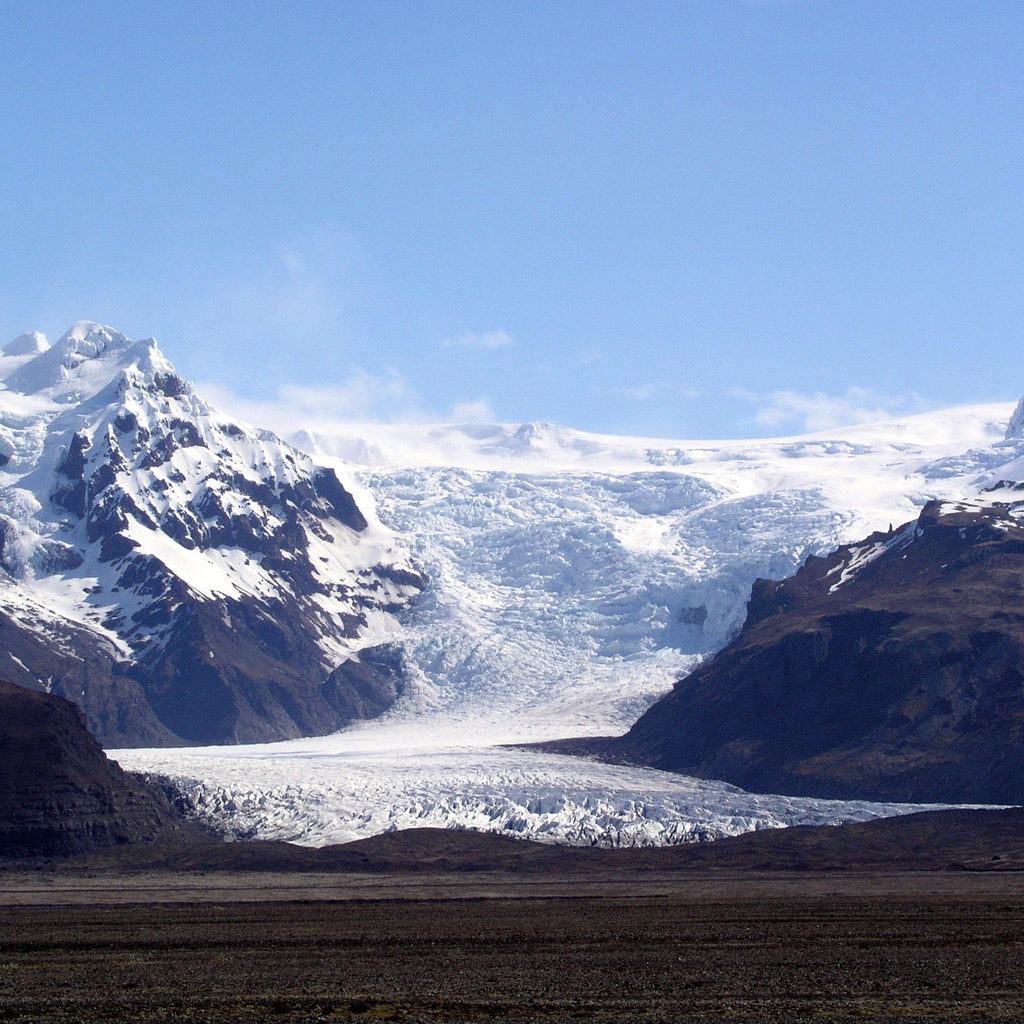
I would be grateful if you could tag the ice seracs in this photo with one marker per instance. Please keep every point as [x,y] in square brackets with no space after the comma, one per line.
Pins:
[575,576]
[570,586]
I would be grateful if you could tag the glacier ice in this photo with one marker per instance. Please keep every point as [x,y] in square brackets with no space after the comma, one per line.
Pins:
[572,578]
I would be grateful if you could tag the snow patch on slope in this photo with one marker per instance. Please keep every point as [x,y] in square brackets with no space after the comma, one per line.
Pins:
[861,555]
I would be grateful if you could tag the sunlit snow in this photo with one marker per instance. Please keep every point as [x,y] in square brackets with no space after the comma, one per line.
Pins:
[572,579]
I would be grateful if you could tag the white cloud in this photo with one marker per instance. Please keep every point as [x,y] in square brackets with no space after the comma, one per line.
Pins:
[479,411]
[363,397]
[810,413]
[486,342]
[330,408]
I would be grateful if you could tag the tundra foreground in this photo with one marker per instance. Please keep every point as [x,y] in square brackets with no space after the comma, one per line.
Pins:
[694,946]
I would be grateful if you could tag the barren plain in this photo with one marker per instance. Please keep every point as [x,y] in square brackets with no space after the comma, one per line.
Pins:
[684,946]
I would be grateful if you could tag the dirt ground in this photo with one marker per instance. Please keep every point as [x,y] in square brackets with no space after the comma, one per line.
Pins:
[815,947]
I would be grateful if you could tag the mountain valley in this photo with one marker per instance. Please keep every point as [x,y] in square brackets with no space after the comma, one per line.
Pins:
[443,595]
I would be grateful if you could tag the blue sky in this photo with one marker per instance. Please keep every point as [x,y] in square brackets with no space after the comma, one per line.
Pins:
[709,219]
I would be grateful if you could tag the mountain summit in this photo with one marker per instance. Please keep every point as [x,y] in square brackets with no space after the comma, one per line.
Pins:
[180,575]
[85,361]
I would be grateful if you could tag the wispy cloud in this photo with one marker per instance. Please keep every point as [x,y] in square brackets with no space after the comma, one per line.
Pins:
[313,288]
[485,342]
[649,391]
[362,397]
[808,413]
[479,411]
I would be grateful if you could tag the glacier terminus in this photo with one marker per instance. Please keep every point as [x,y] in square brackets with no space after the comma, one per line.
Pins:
[424,600]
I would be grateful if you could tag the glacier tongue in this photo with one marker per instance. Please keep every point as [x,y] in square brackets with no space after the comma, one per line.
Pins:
[324,791]
[572,578]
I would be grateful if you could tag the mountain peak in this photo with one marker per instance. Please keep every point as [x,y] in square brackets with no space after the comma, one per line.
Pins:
[225,586]
[87,358]
[87,340]
[84,330]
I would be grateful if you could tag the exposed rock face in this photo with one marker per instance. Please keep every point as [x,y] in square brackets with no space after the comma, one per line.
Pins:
[60,795]
[181,576]
[891,669]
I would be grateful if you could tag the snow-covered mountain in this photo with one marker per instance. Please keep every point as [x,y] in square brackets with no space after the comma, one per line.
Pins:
[572,579]
[180,575]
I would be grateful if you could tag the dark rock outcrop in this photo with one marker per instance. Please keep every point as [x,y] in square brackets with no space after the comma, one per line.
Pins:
[891,669]
[957,840]
[77,663]
[60,795]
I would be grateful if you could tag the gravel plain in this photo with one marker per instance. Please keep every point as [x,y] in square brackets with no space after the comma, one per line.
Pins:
[906,947]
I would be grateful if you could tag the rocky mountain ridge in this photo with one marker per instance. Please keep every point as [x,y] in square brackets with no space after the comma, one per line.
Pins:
[889,669]
[195,580]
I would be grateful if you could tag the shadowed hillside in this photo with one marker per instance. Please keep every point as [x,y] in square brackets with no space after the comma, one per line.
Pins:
[59,793]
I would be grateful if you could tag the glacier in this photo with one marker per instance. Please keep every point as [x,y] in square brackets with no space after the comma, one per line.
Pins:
[370,780]
[572,578]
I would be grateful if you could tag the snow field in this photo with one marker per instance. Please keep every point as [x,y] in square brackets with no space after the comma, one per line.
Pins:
[572,579]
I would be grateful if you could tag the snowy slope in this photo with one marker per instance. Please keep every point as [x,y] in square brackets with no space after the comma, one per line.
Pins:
[227,576]
[572,578]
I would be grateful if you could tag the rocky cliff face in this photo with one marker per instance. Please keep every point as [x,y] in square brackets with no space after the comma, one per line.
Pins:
[181,576]
[891,669]
[60,795]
